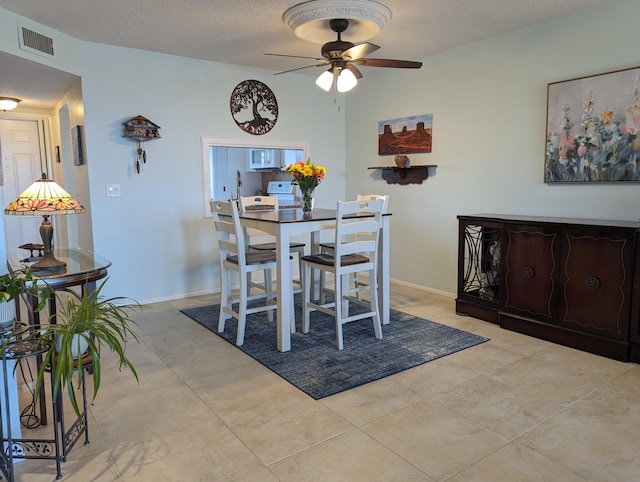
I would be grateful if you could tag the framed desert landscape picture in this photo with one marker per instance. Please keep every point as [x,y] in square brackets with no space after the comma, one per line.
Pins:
[405,135]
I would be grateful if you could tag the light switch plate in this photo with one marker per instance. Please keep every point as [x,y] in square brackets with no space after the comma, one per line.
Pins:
[113,190]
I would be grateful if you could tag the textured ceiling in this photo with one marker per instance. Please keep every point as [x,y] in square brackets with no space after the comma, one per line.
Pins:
[241,31]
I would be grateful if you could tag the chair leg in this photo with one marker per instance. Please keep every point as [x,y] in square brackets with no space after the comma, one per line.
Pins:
[292,322]
[268,282]
[225,297]
[339,307]
[300,255]
[242,310]
[358,285]
[345,295]
[306,289]
[375,307]
[323,277]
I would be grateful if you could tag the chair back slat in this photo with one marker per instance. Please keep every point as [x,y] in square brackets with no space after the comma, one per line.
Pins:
[259,203]
[375,197]
[230,234]
[225,227]
[358,234]
[357,226]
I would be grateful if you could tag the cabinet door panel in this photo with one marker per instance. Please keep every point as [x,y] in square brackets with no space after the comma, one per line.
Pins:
[597,285]
[634,318]
[530,273]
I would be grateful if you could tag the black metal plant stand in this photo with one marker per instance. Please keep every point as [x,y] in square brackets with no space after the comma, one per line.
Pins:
[56,448]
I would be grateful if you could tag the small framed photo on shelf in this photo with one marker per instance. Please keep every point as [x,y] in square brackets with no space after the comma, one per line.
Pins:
[77,146]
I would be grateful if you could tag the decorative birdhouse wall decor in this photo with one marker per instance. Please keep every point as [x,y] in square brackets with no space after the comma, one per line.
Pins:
[141,129]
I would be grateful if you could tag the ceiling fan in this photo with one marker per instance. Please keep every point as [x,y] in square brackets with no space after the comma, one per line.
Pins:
[342,57]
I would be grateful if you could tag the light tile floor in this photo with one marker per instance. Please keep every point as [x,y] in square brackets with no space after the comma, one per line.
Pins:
[513,409]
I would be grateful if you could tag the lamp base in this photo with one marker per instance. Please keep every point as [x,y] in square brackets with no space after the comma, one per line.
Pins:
[49,263]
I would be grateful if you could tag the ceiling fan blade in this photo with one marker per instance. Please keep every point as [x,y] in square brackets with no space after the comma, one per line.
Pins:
[294,56]
[355,71]
[360,50]
[301,68]
[398,64]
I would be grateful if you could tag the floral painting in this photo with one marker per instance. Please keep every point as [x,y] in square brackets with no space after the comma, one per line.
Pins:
[592,129]
[406,135]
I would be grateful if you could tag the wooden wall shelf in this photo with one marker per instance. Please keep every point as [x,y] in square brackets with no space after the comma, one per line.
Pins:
[405,175]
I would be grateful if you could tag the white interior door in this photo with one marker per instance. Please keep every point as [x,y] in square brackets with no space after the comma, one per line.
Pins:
[21,165]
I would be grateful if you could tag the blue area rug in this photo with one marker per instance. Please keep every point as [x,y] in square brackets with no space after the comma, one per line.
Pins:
[318,368]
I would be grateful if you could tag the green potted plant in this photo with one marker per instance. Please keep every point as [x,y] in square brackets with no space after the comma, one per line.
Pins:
[12,285]
[90,320]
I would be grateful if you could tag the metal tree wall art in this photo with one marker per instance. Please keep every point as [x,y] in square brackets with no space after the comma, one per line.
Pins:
[254,107]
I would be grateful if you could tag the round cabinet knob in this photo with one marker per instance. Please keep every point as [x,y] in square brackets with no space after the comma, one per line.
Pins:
[592,282]
[527,272]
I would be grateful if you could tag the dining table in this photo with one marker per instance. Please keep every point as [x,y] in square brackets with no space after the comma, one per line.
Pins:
[286,223]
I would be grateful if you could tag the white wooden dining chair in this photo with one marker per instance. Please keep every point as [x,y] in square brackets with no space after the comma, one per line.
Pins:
[351,254]
[235,258]
[356,283]
[270,203]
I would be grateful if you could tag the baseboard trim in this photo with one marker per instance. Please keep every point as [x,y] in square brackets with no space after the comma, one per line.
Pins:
[423,288]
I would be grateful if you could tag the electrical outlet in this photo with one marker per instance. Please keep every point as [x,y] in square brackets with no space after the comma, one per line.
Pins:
[113,190]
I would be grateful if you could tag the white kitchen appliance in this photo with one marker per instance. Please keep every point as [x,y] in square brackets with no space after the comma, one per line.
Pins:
[285,192]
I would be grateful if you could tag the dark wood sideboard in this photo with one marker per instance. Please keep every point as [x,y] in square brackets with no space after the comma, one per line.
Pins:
[570,281]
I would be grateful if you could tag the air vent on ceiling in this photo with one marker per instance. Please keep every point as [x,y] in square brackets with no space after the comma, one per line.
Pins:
[35,42]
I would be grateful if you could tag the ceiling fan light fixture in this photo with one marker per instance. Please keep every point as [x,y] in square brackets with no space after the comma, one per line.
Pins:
[346,81]
[325,80]
[341,55]
[8,103]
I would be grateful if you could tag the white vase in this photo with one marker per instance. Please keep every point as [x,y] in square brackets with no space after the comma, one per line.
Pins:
[7,314]
[84,344]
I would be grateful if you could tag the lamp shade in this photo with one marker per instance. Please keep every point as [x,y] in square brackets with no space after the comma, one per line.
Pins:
[325,81]
[44,197]
[8,103]
[346,81]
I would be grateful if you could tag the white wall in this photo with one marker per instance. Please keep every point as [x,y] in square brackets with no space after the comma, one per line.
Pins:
[72,231]
[488,101]
[155,234]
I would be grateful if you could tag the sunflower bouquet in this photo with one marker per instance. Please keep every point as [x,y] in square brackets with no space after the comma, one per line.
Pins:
[307,176]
